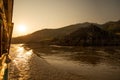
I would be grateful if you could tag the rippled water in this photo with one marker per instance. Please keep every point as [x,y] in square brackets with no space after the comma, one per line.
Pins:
[92,63]
[19,67]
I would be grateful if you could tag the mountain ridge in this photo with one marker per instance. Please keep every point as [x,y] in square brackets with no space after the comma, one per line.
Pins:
[89,36]
[47,35]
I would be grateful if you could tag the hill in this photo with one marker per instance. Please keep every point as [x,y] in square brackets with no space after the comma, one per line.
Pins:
[76,34]
[48,34]
[112,27]
[91,35]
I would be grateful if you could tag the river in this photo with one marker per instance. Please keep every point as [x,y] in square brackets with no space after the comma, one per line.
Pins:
[36,62]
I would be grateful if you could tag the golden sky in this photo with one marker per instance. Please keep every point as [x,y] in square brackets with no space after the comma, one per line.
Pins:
[33,15]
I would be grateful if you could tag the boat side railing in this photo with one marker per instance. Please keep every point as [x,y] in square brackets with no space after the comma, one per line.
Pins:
[6,27]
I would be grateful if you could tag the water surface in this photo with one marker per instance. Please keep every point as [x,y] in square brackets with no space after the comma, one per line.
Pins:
[92,63]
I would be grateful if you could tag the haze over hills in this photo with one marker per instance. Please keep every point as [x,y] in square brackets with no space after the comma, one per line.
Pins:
[73,33]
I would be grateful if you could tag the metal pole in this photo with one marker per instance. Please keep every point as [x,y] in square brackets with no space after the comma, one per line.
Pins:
[10,37]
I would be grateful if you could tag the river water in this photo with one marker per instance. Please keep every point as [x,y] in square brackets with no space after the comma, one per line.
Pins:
[36,62]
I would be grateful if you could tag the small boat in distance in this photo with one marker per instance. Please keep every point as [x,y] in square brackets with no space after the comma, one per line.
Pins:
[6,27]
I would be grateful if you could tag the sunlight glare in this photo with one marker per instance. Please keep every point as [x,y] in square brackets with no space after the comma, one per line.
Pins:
[22,28]
[29,53]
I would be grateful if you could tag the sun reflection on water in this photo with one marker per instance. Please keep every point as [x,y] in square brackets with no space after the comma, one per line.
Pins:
[23,56]
[21,52]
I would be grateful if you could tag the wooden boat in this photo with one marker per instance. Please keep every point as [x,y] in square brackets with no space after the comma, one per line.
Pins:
[6,27]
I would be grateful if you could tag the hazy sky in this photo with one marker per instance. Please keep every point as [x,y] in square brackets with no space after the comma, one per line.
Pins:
[38,14]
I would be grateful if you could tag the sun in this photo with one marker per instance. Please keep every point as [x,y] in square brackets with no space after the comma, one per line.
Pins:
[22,28]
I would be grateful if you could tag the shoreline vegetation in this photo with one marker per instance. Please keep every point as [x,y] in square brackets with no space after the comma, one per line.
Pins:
[83,34]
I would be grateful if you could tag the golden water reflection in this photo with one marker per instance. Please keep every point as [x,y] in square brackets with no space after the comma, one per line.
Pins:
[23,55]
[20,61]
[92,63]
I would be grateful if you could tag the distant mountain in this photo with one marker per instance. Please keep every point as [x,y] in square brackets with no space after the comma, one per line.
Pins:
[112,27]
[91,35]
[48,34]
[77,34]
